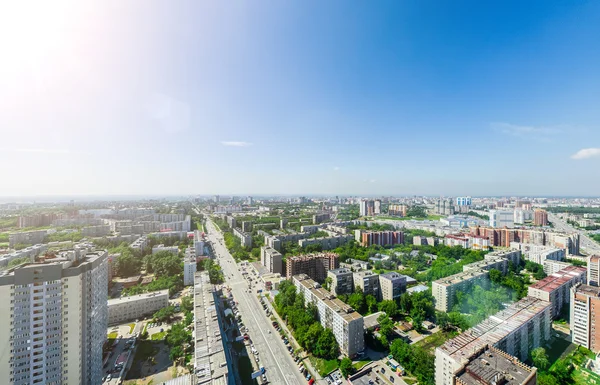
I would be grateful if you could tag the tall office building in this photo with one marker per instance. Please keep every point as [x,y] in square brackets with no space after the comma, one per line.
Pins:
[585,311]
[540,218]
[54,325]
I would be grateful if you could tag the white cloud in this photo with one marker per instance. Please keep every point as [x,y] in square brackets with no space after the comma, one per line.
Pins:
[586,153]
[372,181]
[528,132]
[336,168]
[236,144]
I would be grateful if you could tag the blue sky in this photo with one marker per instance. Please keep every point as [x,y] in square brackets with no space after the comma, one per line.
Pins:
[405,97]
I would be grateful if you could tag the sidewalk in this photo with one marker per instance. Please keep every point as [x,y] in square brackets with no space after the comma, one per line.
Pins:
[304,356]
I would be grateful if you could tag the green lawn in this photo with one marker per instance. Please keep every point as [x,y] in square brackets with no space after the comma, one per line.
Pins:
[436,339]
[131,327]
[359,365]
[112,336]
[324,367]
[558,348]
[585,377]
[158,336]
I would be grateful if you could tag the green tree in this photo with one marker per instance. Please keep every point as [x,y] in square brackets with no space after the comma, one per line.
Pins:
[164,314]
[495,275]
[327,346]
[539,357]
[389,307]
[176,353]
[127,265]
[386,326]
[187,303]
[356,300]
[417,318]
[371,303]
[346,367]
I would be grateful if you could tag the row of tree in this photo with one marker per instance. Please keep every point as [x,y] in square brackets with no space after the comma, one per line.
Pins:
[303,321]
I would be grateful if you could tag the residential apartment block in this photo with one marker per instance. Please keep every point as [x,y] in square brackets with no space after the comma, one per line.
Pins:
[556,288]
[245,238]
[504,237]
[347,325]
[342,281]
[136,306]
[501,218]
[491,366]
[551,266]
[540,218]
[516,330]
[539,253]
[271,259]
[96,231]
[585,312]
[315,266]
[189,267]
[54,320]
[380,238]
[169,249]
[397,210]
[593,270]
[392,285]
[26,238]
[327,243]
[368,282]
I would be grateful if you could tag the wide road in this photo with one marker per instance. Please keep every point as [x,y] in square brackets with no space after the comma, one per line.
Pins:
[279,365]
[585,242]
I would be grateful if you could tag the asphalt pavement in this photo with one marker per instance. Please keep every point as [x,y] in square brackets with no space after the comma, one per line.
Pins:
[279,366]
[586,243]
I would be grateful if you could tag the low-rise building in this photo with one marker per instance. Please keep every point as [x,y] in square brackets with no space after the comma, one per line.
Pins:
[26,238]
[556,288]
[140,243]
[342,281]
[136,306]
[169,249]
[392,285]
[346,324]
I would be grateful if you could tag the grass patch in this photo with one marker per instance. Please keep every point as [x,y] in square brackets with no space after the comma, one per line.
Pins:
[158,336]
[359,365]
[324,367]
[436,339]
[409,381]
[131,327]
[113,335]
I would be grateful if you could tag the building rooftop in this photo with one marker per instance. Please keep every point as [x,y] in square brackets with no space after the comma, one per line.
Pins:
[341,270]
[590,291]
[133,298]
[556,280]
[492,366]
[330,300]
[461,277]
[494,328]
[392,275]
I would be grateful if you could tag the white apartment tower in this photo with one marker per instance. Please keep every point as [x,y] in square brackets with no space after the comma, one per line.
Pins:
[54,325]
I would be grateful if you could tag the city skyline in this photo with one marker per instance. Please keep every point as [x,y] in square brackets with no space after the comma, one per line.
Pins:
[311,98]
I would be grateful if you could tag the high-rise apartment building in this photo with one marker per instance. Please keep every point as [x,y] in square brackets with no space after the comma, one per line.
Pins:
[463,201]
[377,207]
[392,285]
[500,219]
[397,210]
[342,281]
[368,282]
[54,318]
[516,330]
[593,270]
[556,287]
[367,208]
[315,266]
[346,324]
[585,312]
[271,259]
[381,238]
[540,218]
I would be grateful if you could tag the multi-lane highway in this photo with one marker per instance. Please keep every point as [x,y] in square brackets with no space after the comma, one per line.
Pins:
[277,361]
[585,243]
